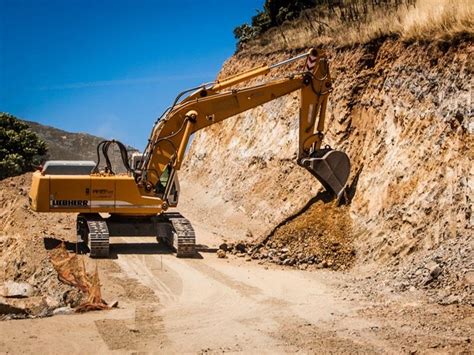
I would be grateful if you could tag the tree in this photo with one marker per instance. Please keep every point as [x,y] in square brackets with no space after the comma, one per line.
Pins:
[244,33]
[274,13]
[20,149]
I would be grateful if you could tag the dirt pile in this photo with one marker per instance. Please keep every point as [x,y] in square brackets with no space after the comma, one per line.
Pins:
[17,218]
[24,259]
[403,113]
[320,236]
[27,242]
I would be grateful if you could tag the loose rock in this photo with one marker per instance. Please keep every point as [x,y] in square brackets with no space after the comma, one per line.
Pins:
[221,254]
[17,289]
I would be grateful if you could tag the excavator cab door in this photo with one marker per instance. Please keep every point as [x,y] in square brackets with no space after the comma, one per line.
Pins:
[331,168]
[172,191]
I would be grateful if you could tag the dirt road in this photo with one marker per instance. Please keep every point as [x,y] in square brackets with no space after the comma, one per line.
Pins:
[230,305]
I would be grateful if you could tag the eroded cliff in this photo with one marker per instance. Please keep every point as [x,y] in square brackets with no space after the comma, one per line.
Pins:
[402,112]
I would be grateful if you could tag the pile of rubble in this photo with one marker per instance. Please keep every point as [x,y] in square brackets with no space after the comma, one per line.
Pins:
[305,241]
[29,286]
[445,274]
[37,278]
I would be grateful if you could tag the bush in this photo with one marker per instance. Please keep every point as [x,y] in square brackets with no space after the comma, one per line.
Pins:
[20,149]
[274,13]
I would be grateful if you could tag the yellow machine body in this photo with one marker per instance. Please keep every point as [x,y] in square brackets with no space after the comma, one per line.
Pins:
[118,194]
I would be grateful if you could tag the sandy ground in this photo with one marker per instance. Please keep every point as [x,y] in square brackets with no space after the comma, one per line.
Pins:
[212,305]
[170,305]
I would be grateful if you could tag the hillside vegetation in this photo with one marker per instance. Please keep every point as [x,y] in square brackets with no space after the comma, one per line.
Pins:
[25,145]
[64,145]
[20,149]
[350,22]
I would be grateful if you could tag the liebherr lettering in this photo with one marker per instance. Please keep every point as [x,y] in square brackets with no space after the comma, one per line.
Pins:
[69,203]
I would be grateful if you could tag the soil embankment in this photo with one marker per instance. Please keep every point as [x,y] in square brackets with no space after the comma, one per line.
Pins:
[403,114]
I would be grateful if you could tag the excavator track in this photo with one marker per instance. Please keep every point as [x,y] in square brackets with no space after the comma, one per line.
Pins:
[96,235]
[183,238]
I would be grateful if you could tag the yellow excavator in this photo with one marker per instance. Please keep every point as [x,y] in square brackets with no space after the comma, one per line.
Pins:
[135,203]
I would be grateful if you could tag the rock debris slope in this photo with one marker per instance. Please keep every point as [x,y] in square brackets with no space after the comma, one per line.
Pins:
[403,113]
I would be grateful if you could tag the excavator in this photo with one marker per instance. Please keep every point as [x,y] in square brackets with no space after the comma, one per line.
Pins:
[136,202]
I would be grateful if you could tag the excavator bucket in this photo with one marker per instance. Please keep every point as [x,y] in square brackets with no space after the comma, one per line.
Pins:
[330,167]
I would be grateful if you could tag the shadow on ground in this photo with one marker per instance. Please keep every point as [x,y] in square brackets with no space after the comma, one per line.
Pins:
[121,248]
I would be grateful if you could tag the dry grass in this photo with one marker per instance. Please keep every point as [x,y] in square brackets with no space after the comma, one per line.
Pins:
[438,19]
[420,20]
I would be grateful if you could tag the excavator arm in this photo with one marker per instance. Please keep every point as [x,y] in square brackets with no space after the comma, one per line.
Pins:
[209,105]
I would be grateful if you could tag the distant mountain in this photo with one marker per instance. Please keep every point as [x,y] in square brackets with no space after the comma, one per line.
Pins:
[63,145]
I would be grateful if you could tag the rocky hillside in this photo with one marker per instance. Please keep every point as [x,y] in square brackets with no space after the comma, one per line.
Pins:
[64,145]
[402,112]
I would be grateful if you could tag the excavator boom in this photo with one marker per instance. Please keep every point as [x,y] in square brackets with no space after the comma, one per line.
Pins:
[208,106]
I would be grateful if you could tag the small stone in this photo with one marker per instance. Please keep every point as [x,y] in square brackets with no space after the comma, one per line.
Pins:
[114,304]
[434,269]
[469,277]
[7,308]
[63,311]
[52,303]
[17,289]
[240,247]
[24,305]
[221,254]
[224,247]
[453,299]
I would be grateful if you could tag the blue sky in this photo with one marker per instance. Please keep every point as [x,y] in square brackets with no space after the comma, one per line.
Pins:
[110,67]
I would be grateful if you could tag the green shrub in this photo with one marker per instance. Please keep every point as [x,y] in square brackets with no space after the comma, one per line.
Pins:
[274,13]
[20,149]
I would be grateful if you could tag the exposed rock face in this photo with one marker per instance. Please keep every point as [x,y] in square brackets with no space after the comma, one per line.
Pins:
[245,167]
[403,115]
